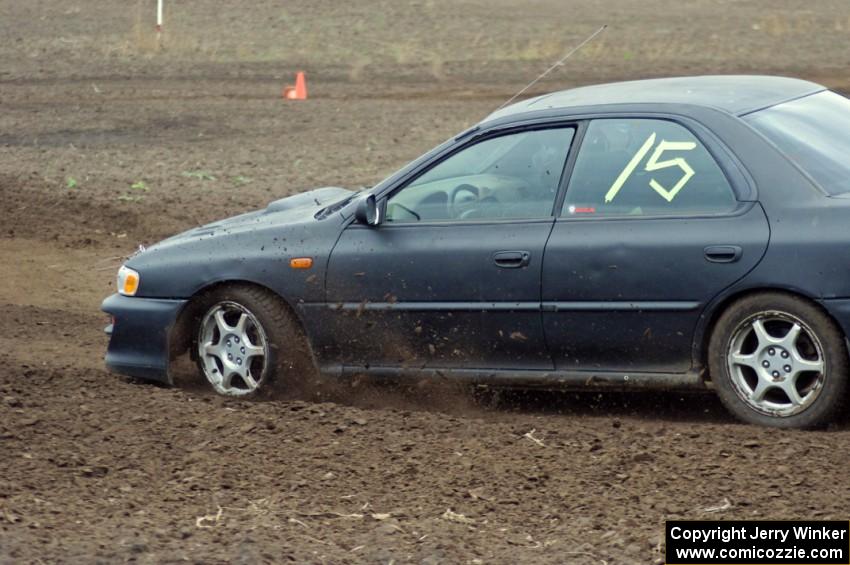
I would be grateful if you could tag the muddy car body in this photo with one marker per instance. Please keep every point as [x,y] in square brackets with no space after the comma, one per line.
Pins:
[632,234]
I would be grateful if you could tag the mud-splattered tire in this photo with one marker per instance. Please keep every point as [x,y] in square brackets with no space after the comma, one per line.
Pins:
[246,338]
[778,360]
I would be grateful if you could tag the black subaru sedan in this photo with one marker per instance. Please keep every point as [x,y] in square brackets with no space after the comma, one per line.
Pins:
[675,233]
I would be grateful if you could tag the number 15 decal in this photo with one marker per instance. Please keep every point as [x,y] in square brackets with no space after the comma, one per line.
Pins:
[653,164]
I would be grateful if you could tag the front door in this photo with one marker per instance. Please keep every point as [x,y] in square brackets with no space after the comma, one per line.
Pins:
[451,277]
[649,233]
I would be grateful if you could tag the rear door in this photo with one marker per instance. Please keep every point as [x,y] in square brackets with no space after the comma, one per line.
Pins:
[649,232]
[451,277]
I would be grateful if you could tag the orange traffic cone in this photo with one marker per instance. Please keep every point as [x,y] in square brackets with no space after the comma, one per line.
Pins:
[299,91]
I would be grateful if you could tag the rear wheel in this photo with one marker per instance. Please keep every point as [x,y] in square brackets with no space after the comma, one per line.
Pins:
[778,360]
[246,339]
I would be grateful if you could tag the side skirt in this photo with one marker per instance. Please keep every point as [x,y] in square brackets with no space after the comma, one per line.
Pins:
[530,379]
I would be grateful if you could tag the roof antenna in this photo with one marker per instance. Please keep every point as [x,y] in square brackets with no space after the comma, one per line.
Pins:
[553,67]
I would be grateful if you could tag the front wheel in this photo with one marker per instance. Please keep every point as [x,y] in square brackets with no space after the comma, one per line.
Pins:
[246,338]
[778,360]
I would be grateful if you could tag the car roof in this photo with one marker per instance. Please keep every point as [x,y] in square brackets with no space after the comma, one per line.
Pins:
[735,94]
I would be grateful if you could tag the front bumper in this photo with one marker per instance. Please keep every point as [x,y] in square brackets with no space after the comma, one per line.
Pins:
[140,335]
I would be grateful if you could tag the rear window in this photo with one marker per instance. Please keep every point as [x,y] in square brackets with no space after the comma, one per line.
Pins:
[814,133]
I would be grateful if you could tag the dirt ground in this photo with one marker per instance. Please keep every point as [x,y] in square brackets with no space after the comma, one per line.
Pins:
[108,141]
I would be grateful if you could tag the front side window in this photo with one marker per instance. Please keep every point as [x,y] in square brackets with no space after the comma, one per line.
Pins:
[814,133]
[645,167]
[513,176]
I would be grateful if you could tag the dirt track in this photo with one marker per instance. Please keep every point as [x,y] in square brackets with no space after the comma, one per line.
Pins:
[96,468]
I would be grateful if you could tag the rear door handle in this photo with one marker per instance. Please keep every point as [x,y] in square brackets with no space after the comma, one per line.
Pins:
[723,253]
[512,259]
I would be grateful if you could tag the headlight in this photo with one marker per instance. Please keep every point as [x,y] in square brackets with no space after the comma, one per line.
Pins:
[128,281]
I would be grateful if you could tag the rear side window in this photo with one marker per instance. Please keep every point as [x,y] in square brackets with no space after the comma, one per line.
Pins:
[814,133]
[644,167]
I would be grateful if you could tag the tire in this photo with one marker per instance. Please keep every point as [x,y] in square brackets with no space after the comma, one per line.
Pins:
[246,339]
[779,360]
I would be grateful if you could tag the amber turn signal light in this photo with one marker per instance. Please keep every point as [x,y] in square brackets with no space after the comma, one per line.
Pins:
[131,284]
[128,281]
[301,262]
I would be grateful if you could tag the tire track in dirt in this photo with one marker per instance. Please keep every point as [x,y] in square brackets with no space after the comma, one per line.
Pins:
[271,478]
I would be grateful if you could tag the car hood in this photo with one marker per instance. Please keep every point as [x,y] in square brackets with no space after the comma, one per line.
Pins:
[252,247]
[299,208]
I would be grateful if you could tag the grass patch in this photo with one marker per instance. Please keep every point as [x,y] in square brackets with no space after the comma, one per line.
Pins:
[199,175]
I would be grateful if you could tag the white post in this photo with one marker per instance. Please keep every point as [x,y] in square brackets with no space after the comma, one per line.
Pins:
[159,24]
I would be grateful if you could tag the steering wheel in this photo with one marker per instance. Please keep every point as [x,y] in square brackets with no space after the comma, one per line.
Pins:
[463,200]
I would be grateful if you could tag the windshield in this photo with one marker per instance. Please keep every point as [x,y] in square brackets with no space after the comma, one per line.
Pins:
[814,133]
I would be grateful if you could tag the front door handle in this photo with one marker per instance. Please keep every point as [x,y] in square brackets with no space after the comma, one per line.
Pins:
[512,259]
[723,253]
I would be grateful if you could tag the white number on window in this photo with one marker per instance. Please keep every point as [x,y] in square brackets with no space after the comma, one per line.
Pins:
[654,164]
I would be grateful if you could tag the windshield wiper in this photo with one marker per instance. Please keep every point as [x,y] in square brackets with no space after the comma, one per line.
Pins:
[330,209]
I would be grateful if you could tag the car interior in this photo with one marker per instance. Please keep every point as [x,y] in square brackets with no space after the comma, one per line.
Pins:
[512,176]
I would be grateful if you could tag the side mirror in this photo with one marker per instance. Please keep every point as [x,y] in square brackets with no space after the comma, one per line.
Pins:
[367,211]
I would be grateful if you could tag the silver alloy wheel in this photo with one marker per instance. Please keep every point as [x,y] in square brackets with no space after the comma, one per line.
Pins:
[777,364]
[233,349]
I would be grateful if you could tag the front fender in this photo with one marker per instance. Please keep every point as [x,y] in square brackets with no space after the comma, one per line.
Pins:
[183,266]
